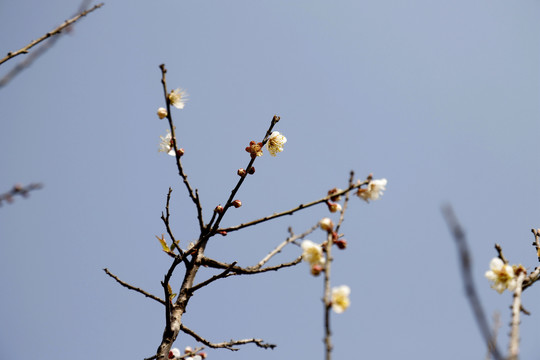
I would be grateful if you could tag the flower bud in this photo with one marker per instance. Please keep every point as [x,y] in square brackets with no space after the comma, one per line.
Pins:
[316,269]
[334,191]
[333,207]
[219,209]
[251,170]
[326,224]
[161,112]
[180,151]
[188,350]
[236,203]
[203,354]
[222,233]
[241,172]
[341,244]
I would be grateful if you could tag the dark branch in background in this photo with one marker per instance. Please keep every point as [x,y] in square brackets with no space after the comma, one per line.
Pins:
[131,287]
[467,276]
[18,189]
[228,344]
[52,36]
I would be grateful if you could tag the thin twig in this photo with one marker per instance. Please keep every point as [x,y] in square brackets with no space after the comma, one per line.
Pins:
[531,278]
[227,344]
[513,348]
[58,30]
[292,211]
[345,203]
[289,240]
[213,278]
[131,287]
[167,224]
[500,252]
[468,281]
[495,331]
[327,298]
[193,195]
[536,243]
[18,189]
[237,270]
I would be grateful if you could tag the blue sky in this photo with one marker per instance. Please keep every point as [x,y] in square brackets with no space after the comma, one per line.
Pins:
[442,99]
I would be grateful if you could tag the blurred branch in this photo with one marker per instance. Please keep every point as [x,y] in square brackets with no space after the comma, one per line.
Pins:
[44,47]
[229,344]
[18,189]
[292,211]
[131,287]
[345,203]
[466,274]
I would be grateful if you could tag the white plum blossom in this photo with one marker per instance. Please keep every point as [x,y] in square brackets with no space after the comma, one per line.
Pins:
[312,253]
[174,353]
[166,145]
[326,224]
[161,112]
[196,357]
[502,275]
[340,298]
[373,191]
[275,143]
[178,98]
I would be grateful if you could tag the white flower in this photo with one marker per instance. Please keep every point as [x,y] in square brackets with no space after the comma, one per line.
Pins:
[174,353]
[373,191]
[178,98]
[326,224]
[166,145]
[312,253]
[275,143]
[196,357]
[161,112]
[502,275]
[340,298]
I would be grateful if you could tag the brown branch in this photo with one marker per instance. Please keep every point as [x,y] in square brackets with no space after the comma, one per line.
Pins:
[54,32]
[531,278]
[18,189]
[292,211]
[513,348]
[213,278]
[228,344]
[500,252]
[468,280]
[278,248]
[131,287]
[167,224]
[327,298]
[193,195]
[237,270]
[345,203]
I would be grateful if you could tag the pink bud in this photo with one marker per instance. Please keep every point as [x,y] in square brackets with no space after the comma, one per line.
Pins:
[180,152]
[222,232]
[203,354]
[219,209]
[316,269]
[237,203]
[341,244]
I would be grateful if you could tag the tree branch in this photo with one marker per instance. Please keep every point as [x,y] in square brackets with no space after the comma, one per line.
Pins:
[18,189]
[228,344]
[513,348]
[131,287]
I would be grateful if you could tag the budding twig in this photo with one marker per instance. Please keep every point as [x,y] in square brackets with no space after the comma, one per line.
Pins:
[513,348]
[228,344]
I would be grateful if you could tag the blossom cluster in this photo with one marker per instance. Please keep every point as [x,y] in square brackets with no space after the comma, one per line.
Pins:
[503,275]
[188,354]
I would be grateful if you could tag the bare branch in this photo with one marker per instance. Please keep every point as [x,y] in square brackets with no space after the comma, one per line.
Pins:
[531,278]
[513,348]
[228,344]
[346,202]
[131,287]
[327,297]
[468,281]
[500,252]
[237,270]
[292,211]
[167,224]
[536,243]
[213,278]
[18,189]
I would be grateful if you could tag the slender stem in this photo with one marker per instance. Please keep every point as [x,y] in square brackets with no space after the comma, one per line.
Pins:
[513,348]
[327,298]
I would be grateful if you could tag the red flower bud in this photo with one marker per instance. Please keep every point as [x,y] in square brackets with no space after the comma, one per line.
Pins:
[241,172]
[237,203]
[316,269]
[341,244]
[180,152]
[222,232]
[219,209]
[251,170]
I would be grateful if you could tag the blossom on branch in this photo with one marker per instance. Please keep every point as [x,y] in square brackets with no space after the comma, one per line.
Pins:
[161,112]
[373,191]
[502,275]
[166,144]
[312,253]
[275,143]
[340,298]
[174,353]
[178,98]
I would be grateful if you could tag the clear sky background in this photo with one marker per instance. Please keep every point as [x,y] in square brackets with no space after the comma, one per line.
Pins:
[441,98]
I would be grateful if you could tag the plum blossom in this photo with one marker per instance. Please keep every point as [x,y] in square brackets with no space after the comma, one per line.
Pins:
[312,253]
[178,98]
[275,143]
[502,275]
[373,191]
[166,144]
[340,298]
